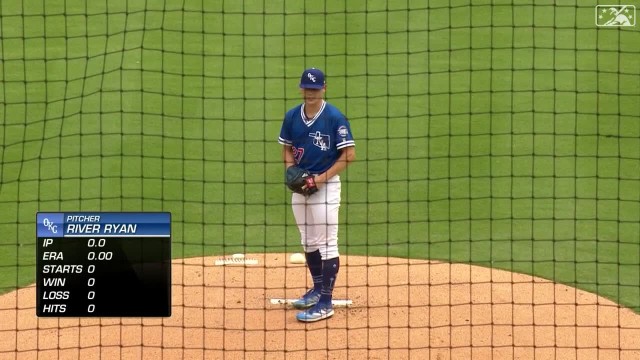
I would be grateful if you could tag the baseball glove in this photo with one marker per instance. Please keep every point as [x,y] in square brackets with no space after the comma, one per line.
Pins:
[300,181]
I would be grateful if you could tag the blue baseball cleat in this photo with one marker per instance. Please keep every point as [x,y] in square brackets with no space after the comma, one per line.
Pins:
[320,311]
[307,300]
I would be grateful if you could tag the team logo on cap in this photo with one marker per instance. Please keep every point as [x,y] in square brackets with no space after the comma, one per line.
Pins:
[311,77]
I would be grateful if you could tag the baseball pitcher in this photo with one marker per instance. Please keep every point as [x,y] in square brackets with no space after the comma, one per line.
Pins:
[317,146]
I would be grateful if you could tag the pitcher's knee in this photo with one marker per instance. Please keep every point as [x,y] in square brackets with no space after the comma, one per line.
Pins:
[310,248]
[329,252]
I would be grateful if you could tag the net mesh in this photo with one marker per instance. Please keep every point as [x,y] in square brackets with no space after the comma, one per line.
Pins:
[502,134]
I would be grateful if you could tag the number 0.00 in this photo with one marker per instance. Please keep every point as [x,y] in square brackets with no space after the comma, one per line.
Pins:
[102,255]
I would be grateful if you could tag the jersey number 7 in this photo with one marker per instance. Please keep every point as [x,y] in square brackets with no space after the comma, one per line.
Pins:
[297,154]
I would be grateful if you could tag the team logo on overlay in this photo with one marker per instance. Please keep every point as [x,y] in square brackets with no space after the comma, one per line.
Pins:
[321,140]
[615,15]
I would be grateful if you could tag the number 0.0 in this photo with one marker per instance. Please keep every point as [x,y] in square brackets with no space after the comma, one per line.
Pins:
[91,281]
[91,308]
[91,295]
[99,243]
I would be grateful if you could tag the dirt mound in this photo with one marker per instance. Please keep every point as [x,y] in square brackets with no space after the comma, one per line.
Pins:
[402,309]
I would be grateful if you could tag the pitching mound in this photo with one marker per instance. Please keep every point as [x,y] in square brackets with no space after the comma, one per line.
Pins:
[401,309]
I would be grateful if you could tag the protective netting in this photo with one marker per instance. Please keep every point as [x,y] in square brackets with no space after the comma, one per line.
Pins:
[504,134]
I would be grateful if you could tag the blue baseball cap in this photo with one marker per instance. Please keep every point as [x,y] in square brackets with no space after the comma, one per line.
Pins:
[312,79]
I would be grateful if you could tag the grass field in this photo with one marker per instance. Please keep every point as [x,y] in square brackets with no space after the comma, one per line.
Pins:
[504,135]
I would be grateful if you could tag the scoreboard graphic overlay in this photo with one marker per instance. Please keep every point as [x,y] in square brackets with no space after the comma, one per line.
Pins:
[100,264]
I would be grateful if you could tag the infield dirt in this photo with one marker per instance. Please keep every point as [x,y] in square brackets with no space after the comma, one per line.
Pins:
[402,309]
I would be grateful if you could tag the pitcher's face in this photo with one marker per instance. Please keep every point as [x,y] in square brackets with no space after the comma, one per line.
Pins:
[312,96]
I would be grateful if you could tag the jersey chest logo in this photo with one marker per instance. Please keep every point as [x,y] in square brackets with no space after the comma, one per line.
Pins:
[321,140]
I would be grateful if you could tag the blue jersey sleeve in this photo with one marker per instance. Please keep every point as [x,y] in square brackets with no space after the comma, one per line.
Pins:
[285,132]
[343,136]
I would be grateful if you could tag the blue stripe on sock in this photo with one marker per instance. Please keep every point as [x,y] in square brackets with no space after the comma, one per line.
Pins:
[317,282]
[325,299]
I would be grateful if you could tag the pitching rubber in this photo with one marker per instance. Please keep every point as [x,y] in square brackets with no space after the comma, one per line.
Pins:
[335,302]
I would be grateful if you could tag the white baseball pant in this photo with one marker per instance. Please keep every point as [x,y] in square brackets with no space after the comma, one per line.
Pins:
[317,218]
